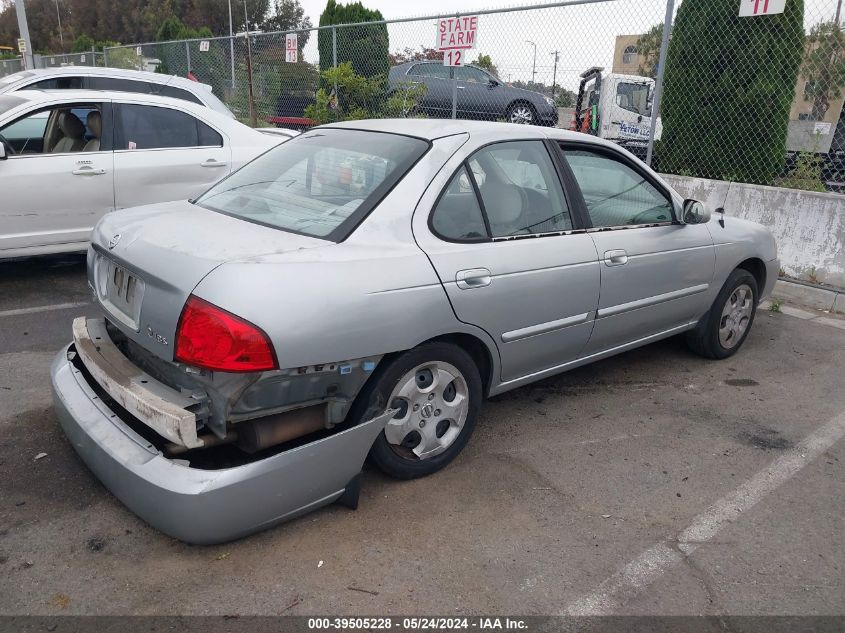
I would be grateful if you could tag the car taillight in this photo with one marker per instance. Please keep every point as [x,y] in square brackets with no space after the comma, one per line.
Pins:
[210,337]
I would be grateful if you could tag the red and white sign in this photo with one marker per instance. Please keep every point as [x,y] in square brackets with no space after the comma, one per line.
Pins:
[456,35]
[751,8]
[291,48]
[204,46]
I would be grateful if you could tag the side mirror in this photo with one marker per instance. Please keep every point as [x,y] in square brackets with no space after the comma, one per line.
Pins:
[694,212]
[493,83]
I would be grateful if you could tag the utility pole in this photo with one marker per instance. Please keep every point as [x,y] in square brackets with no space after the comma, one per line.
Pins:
[231,45]
[59,18]
[838,11]
[534,64]
[554,73]
[20,10]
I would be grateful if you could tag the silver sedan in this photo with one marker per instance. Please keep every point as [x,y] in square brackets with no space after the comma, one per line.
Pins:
[359,290]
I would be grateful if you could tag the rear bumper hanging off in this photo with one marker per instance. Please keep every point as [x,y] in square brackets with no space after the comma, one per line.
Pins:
[195,505]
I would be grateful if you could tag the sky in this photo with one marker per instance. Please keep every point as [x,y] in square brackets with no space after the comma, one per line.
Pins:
[584,35]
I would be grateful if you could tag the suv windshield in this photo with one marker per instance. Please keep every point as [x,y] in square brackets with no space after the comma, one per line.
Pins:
[634,97]
[321,183]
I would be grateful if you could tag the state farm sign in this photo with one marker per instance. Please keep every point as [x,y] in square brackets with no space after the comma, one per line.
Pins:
[455,35]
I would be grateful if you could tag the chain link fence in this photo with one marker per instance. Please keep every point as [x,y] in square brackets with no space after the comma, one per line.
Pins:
[756,98]
[91,58]
[9,66]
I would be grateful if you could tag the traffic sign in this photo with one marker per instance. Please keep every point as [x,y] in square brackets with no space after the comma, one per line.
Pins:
[291,48]
[204,46]
[752,8]
[21,46]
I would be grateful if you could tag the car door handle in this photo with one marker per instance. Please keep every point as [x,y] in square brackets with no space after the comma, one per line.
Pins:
[213,163]
[88,171]
[615,258]
[473,278]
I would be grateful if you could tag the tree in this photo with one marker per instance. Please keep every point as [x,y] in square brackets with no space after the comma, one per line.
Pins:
[485,62]
[288,15]
[729,85]
[409,54]
[648,47]
[824,66]
[366,46]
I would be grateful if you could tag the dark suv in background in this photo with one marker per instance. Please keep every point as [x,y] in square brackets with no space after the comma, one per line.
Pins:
[480,94]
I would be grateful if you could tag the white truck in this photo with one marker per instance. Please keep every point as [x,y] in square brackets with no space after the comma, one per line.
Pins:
[615,107]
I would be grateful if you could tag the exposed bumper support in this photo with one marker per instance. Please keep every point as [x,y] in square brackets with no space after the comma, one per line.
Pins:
[158,406]
[204,506]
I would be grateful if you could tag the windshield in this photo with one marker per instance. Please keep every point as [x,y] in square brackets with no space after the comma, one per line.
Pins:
[634,98]
[321,183]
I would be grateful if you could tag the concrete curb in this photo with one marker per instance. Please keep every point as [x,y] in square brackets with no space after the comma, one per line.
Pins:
[811,296]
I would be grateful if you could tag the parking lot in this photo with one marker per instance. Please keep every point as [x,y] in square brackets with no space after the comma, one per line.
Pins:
[652,483]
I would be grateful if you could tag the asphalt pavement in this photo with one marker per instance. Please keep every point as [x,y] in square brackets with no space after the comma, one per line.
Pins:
[655,482]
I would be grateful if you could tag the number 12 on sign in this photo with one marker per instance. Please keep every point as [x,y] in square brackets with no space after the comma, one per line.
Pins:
[453,58]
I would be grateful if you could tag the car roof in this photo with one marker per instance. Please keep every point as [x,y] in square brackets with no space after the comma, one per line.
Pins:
[431,129]
[139,75]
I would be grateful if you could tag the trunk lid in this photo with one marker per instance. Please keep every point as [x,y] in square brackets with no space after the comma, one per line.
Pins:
[145,262]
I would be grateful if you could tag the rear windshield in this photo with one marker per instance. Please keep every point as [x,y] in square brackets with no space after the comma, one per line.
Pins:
[7,102]
[10,79]
[321,183]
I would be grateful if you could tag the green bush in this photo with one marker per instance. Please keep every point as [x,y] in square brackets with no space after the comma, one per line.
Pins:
[360,97]
[729,85]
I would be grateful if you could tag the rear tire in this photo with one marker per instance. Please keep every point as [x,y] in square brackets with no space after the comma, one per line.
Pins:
[437,389]
[723,330]
[522,113]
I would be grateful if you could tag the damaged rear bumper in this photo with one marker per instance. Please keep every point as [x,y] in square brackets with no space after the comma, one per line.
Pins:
[204,506]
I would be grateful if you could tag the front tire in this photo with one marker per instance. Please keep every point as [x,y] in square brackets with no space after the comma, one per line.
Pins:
[436,388]
[725,327]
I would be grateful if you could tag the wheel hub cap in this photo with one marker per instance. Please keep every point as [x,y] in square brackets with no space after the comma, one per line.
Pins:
[736,315]
[434,401]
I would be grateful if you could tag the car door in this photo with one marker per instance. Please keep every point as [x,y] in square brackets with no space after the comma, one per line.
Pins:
[655,272]
[477,98]
[162,154]
[502,239]
[54,186]
[437,99]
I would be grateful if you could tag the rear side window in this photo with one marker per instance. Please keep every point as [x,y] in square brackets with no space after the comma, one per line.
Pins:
[438,71]
[520,194]
[457,215]
[56,83]
[121,85]
[179,93]
[153,127]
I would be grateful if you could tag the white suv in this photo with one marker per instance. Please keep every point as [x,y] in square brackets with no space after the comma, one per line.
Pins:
[116,79]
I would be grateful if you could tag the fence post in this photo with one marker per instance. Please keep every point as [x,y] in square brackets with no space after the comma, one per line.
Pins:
[658,85]
[454,92]
[188,54]
[232,52]
[334,57]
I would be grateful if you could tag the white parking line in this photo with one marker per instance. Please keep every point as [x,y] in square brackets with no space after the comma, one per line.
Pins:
[50,308]
[613,592]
